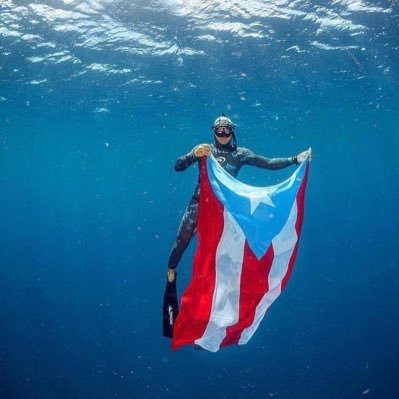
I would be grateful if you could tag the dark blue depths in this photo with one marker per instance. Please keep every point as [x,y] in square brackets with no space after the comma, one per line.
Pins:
[90,203]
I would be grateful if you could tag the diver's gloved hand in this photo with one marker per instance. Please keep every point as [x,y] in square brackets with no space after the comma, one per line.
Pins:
[170,304]
[302,156]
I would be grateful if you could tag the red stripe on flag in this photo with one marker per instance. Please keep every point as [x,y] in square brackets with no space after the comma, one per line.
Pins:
[254,285]
[196,303]
[300,200]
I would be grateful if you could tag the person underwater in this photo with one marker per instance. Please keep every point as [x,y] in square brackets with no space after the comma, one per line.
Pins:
[231,158]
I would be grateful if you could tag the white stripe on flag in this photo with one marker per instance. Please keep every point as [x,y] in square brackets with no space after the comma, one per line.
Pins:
[283,246]
[226,297]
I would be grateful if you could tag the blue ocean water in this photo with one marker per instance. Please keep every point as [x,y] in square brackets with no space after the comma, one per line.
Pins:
[97,100]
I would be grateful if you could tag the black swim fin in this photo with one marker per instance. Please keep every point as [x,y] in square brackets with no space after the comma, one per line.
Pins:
[170,308]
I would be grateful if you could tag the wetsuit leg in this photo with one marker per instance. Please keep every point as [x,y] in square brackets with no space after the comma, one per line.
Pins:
[187,229]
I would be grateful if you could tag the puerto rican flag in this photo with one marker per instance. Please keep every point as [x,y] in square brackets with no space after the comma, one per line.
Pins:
[247,244]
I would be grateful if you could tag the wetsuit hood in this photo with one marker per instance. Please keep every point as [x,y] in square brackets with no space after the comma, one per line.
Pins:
[224,121]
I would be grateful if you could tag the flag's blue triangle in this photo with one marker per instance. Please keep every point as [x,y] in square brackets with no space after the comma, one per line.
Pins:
[261,212]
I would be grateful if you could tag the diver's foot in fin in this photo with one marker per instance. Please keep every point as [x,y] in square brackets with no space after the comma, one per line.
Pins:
[170,306]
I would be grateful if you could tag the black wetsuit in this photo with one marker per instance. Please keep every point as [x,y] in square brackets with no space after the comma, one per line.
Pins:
[231,159]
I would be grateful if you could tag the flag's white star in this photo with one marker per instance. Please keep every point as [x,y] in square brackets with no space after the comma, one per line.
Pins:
[259,198]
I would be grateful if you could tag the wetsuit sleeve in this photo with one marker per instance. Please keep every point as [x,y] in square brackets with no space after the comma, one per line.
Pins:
[185,161]
[249,158]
